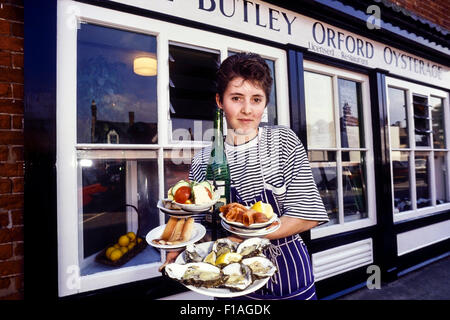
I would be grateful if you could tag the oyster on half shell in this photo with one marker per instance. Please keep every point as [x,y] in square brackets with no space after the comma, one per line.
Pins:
[237,276]
[193,253]
[252,247]
[223,245]
[199,274]
[261,266]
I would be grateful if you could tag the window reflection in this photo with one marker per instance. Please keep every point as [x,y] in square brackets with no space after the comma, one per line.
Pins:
[437,116]
[323,166]
[441,177]
[400,170]
[349,113]
[320,111]
[422,179]
[115,105]
[398,118]
[421,121]
[354,185]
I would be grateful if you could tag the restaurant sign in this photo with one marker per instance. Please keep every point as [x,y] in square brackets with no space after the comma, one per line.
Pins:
[267,21]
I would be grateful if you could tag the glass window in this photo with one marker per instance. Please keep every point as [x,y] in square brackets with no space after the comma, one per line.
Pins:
[419,160]
[192,91]
[117,196]
[116,86]
[437,116]
[320,122]
[398,118]
[337,146]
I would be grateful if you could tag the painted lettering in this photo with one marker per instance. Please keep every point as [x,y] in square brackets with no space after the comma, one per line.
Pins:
[315,33]
[347,44]
[258,16]
[212,5]
[222,9]
[289,22]
[246,2]
[272,18]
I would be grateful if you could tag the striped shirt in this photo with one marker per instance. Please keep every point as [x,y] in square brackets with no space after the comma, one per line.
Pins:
[275,160]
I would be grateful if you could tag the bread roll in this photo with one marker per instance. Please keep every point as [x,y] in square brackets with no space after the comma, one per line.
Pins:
[176,235]
[170,227]
[187,230]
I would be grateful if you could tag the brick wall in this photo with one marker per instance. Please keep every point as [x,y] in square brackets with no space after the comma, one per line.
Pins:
[11,149]
[432,10]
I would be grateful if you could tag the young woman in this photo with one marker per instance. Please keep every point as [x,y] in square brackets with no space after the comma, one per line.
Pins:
[268,164]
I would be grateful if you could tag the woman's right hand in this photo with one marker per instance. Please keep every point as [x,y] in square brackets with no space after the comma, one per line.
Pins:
[170,257]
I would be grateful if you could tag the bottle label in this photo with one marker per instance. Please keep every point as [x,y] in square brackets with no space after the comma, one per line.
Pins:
[219,188]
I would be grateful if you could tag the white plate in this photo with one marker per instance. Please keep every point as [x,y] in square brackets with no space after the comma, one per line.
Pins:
[221,292]
[198,207]
[173,212]
[198,233]
[254,233]
[252,226]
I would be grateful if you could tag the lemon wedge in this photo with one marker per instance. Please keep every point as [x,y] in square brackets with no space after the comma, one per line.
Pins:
[210,258]
[265,208]
[228,257]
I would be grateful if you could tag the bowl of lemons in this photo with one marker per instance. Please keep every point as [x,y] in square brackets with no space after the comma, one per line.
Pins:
[123,250]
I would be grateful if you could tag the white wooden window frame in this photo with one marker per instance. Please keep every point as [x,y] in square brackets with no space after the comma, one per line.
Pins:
[335,74]
[69,15]
[410,89]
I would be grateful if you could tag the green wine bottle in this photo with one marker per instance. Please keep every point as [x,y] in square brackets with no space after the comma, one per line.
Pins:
[218,171]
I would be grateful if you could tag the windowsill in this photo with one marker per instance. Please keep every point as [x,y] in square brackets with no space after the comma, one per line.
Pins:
[420,213]
[339,228]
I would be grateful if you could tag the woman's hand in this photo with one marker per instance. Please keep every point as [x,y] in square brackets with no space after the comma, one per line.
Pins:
[290,226]
[170,257]
[235,239]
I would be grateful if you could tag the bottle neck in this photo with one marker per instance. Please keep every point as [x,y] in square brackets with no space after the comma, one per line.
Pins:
[218,129]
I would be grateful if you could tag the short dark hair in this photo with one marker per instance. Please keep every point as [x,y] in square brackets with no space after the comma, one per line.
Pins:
[249,66]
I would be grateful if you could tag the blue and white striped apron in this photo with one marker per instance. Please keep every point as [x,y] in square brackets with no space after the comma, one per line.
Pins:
[294,279]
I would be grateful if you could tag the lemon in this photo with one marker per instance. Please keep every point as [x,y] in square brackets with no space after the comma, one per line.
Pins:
[131,245]
[265,208]
[124,241]
[210,258]
[117,246]
[116,254]
[131,236]
[108,251]
[123,250]
[228,257]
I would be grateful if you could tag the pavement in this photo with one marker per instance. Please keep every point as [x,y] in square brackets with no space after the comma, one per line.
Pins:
[423,282]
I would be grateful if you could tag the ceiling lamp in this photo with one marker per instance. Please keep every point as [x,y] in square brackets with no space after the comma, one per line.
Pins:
[145,66]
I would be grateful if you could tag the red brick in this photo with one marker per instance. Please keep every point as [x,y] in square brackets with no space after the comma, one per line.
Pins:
[6,251]
[9,12]
[11,75]
[17,122]
[17,29]
[11,106]
[4,153]
[17,185]
[17,234]
[18,249]
[17,217]
[5,59]
[4,27]
[11,201]
[17,60]
[5,90]
[17,90]
[4,219]
[11,43]
[11,137]
[16,154]
[11,267]
[5,121]
[5,186]
[4,283]
[9,170]
[5,236]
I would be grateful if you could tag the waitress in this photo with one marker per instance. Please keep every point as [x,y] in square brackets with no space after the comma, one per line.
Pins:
[267,164]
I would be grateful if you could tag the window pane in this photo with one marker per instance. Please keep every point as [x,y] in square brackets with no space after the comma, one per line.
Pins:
[350,114]
[192,91]
[441,177]
[422,167]
[421,121]
[323,166]
[270,113]
[398,118]
[437,116]
[319,111]
[400,169]
[354,185]
[107,191]
[114,103]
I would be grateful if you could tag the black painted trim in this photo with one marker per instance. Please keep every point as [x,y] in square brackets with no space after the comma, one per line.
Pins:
[40,219]
[419,222]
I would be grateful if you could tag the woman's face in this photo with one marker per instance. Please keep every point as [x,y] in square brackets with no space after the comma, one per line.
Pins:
[243,105]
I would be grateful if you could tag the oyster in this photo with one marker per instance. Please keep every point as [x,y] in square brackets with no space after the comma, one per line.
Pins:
[237,276]
[199,274]
[261,267]
[252,247]
[194,254]
[223,245]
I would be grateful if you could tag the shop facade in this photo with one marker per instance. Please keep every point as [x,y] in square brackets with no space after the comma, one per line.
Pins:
[134,80]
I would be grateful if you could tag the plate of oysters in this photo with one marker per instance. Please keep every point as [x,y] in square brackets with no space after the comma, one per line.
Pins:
[223,268]
[189,196]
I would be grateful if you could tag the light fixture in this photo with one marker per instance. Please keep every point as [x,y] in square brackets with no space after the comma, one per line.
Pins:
[145,66]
